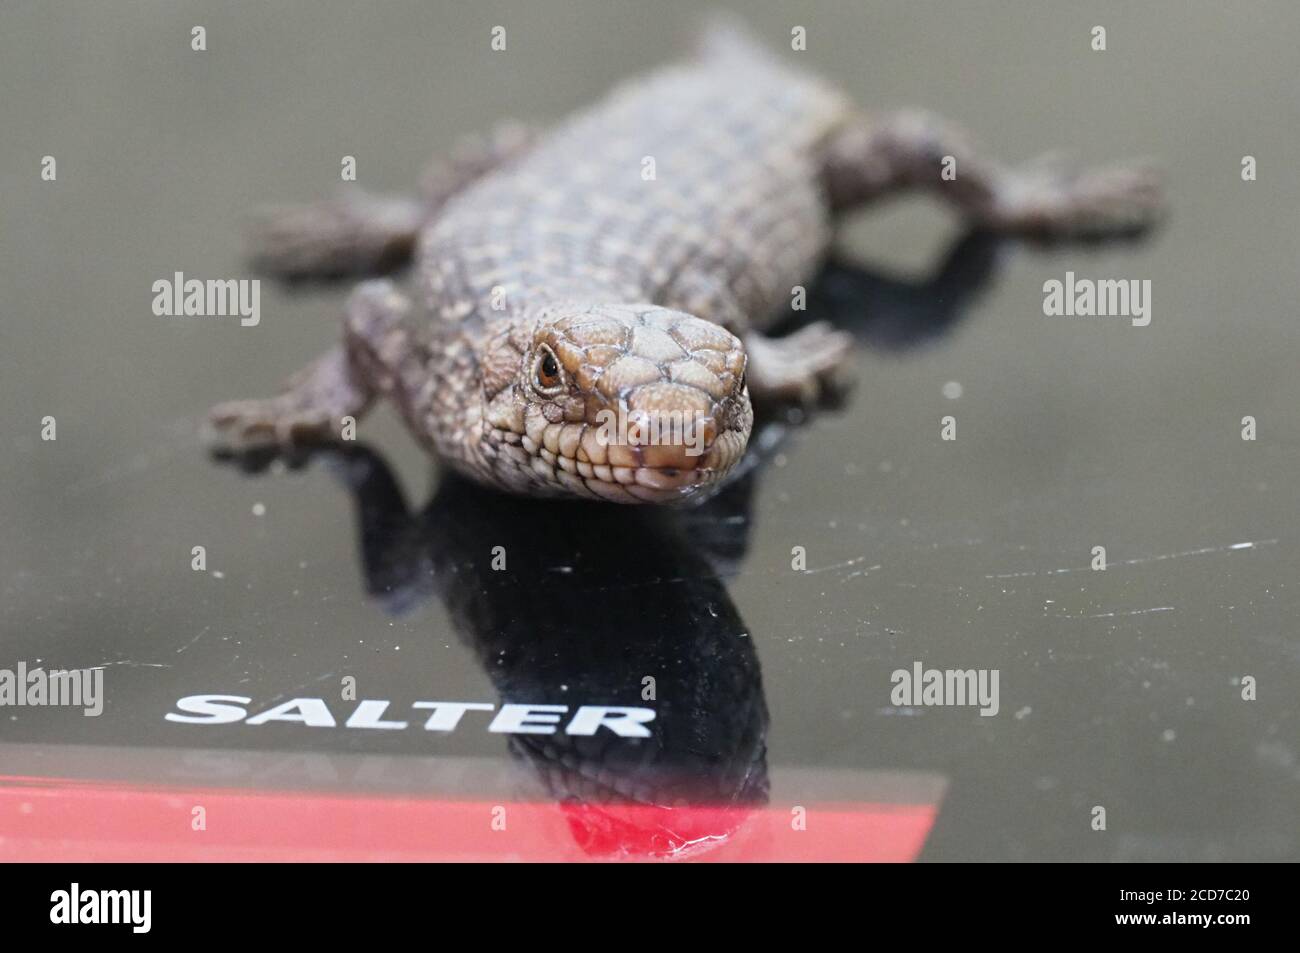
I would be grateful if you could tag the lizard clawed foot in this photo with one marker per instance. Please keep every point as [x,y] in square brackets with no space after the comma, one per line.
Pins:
[1047,199]
[804,366]
[311,410]
[281,422]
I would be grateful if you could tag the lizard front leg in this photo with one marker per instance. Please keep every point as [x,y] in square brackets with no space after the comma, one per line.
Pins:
[362,234]
[801,366]
[869,159]
[341,383]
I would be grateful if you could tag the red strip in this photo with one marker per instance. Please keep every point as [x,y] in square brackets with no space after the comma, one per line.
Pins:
[48,819]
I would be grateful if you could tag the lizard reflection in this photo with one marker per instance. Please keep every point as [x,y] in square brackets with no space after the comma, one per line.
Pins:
[603,605]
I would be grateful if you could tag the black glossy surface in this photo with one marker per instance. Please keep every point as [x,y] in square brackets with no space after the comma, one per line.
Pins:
[1117,688]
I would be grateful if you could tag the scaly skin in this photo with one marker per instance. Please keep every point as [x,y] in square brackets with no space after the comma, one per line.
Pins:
[623,264]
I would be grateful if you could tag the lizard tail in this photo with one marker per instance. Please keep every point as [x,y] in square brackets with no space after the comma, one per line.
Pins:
[725,37]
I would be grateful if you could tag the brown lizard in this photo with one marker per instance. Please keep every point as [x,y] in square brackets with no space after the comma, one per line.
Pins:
[587,303]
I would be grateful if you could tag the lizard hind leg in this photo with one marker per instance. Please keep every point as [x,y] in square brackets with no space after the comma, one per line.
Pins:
[315,403]
[911,149]
[353,234]
[361,234]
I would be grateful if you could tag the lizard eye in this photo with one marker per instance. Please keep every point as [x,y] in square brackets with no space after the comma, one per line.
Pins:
[546,370]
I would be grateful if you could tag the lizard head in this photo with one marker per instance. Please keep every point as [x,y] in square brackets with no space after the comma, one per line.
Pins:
[628,403]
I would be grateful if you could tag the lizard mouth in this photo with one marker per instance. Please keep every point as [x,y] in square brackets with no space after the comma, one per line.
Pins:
[656,455]
[648,481]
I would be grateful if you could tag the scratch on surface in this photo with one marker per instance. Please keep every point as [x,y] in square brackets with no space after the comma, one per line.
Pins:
[201,634]
[689,846]
[860,572]
[276,699]
[130,664]
[844,565]
[1204,551]
[736,574]
[1112,615]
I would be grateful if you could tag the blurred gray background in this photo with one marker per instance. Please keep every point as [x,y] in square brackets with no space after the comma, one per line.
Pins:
[1118,688]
